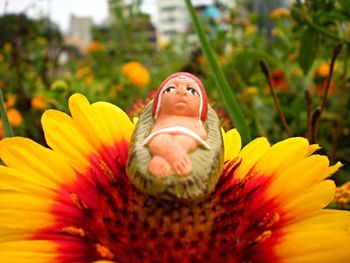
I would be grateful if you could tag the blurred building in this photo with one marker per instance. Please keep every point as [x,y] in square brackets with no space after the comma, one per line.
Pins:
[80,34]
[174,20]
[263,9]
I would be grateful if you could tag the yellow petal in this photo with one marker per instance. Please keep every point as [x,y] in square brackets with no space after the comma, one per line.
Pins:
[64,138]
[29,220]
[322,238]
[91,128]
[321,247]
[115,122]
[232,144]
[102,122]
[31,251]
[250,154]
[18,201]
[310,201]
[28,182]
[29,157]
[331,170]
[299,176]
[282,155]
[313,148]
[86,121]
[325,219]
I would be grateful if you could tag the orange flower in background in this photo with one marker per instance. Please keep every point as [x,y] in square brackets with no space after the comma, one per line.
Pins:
[10,100]
[89,80]
[136,73]
[278,80]
[292,57]
[96,47]
[321,87]
[15,118]
[83,72]
[38,103]
[323,70]
[321,76]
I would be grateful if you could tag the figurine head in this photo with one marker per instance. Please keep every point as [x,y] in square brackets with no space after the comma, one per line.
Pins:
[184,89]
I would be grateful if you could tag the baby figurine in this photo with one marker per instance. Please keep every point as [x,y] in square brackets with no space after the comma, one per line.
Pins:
[179,108]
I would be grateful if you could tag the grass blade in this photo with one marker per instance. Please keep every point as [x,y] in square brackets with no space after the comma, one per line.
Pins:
[5,122]
[224,89]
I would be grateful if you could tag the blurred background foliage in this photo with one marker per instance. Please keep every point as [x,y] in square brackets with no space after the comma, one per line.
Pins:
[123,65]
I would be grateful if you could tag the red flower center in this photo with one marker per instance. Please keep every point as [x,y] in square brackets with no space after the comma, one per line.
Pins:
[115,221]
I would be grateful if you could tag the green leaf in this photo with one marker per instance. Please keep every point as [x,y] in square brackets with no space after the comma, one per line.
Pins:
[345,4]
[5,122]
[225,91]
[308,49]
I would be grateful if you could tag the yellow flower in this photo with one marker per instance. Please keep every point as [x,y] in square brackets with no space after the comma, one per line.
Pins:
[73,202]
[15,117]
[251,90]
[39,103]
[322,70]
[83,72]
[279,13]
[95,47]
[136,73]
[250,29]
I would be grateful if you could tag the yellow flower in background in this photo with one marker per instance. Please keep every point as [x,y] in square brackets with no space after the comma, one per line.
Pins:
[250,29]
[8,47]
[59,84]
[73,202]
[136,73]
[279,13]
[251,91]
[248,93]
[39,102]
[95,47]
[83,72]
[15,118]
[342,196]
[323,70]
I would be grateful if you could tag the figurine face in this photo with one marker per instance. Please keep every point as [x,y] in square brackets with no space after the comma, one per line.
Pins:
[180,96]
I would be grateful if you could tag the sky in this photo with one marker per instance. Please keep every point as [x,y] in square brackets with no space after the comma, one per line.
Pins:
[60,10]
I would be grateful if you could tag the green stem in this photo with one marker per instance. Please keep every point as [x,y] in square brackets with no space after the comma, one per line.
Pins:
[325,32]
[224,89]
[5,122]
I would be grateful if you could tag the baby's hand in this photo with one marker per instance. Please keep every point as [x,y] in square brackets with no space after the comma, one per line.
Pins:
[181,163]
